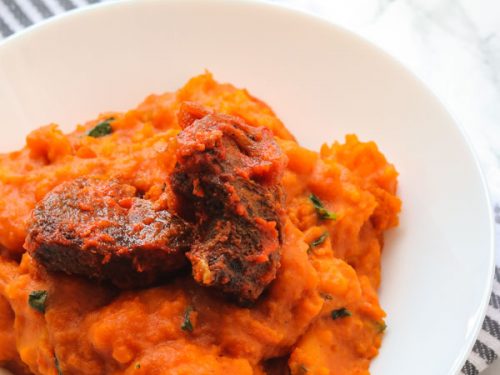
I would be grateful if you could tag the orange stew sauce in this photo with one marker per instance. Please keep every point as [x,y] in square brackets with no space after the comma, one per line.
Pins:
[320,316]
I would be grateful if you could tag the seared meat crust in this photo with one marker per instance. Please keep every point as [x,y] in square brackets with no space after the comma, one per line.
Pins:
[102,230]
[227,179]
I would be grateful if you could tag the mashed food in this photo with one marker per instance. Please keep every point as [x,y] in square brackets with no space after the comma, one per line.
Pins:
[320,315]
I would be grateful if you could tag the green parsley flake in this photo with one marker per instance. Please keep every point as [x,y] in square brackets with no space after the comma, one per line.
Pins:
[318,241]
[323,213]
[303,370]
[381,326]
[56,363]
[340,313]
[186,324]
[101,129]
[37,300]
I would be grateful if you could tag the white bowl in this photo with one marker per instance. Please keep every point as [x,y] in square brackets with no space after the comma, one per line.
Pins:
[323,82]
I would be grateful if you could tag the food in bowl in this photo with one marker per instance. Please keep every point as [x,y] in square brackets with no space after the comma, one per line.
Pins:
[192,235]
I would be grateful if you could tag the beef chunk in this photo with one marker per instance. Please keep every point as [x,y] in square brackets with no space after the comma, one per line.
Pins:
[102,230]
[227,180]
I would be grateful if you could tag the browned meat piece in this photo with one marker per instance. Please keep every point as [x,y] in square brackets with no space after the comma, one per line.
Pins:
[100,229]
[228,174]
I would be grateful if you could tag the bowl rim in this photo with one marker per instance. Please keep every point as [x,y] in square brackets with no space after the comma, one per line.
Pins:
[286,8]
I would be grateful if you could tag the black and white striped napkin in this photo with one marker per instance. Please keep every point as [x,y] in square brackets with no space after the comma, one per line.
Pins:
[16,15]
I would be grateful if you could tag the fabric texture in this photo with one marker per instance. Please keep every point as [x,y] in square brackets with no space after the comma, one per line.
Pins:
[16,15]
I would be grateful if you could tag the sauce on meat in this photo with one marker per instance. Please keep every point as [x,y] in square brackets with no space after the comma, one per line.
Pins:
[228,177]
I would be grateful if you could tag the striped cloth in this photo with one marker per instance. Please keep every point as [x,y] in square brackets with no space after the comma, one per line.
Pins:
[487,345]
[18,14]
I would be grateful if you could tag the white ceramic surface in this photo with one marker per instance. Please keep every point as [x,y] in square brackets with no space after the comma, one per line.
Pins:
[323,82]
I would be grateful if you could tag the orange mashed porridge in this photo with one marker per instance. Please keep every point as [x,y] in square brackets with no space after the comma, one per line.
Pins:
[321,314]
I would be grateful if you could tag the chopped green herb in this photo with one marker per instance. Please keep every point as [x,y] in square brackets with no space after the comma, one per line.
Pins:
[381,326]
[340,313]
[303,370]
[323,213]
[186,324]
[101,129]
[37,300]
[326,296]
[318,241]
[137,365]
[56,362]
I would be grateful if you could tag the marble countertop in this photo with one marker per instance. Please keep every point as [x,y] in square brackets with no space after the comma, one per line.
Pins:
[454,47]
